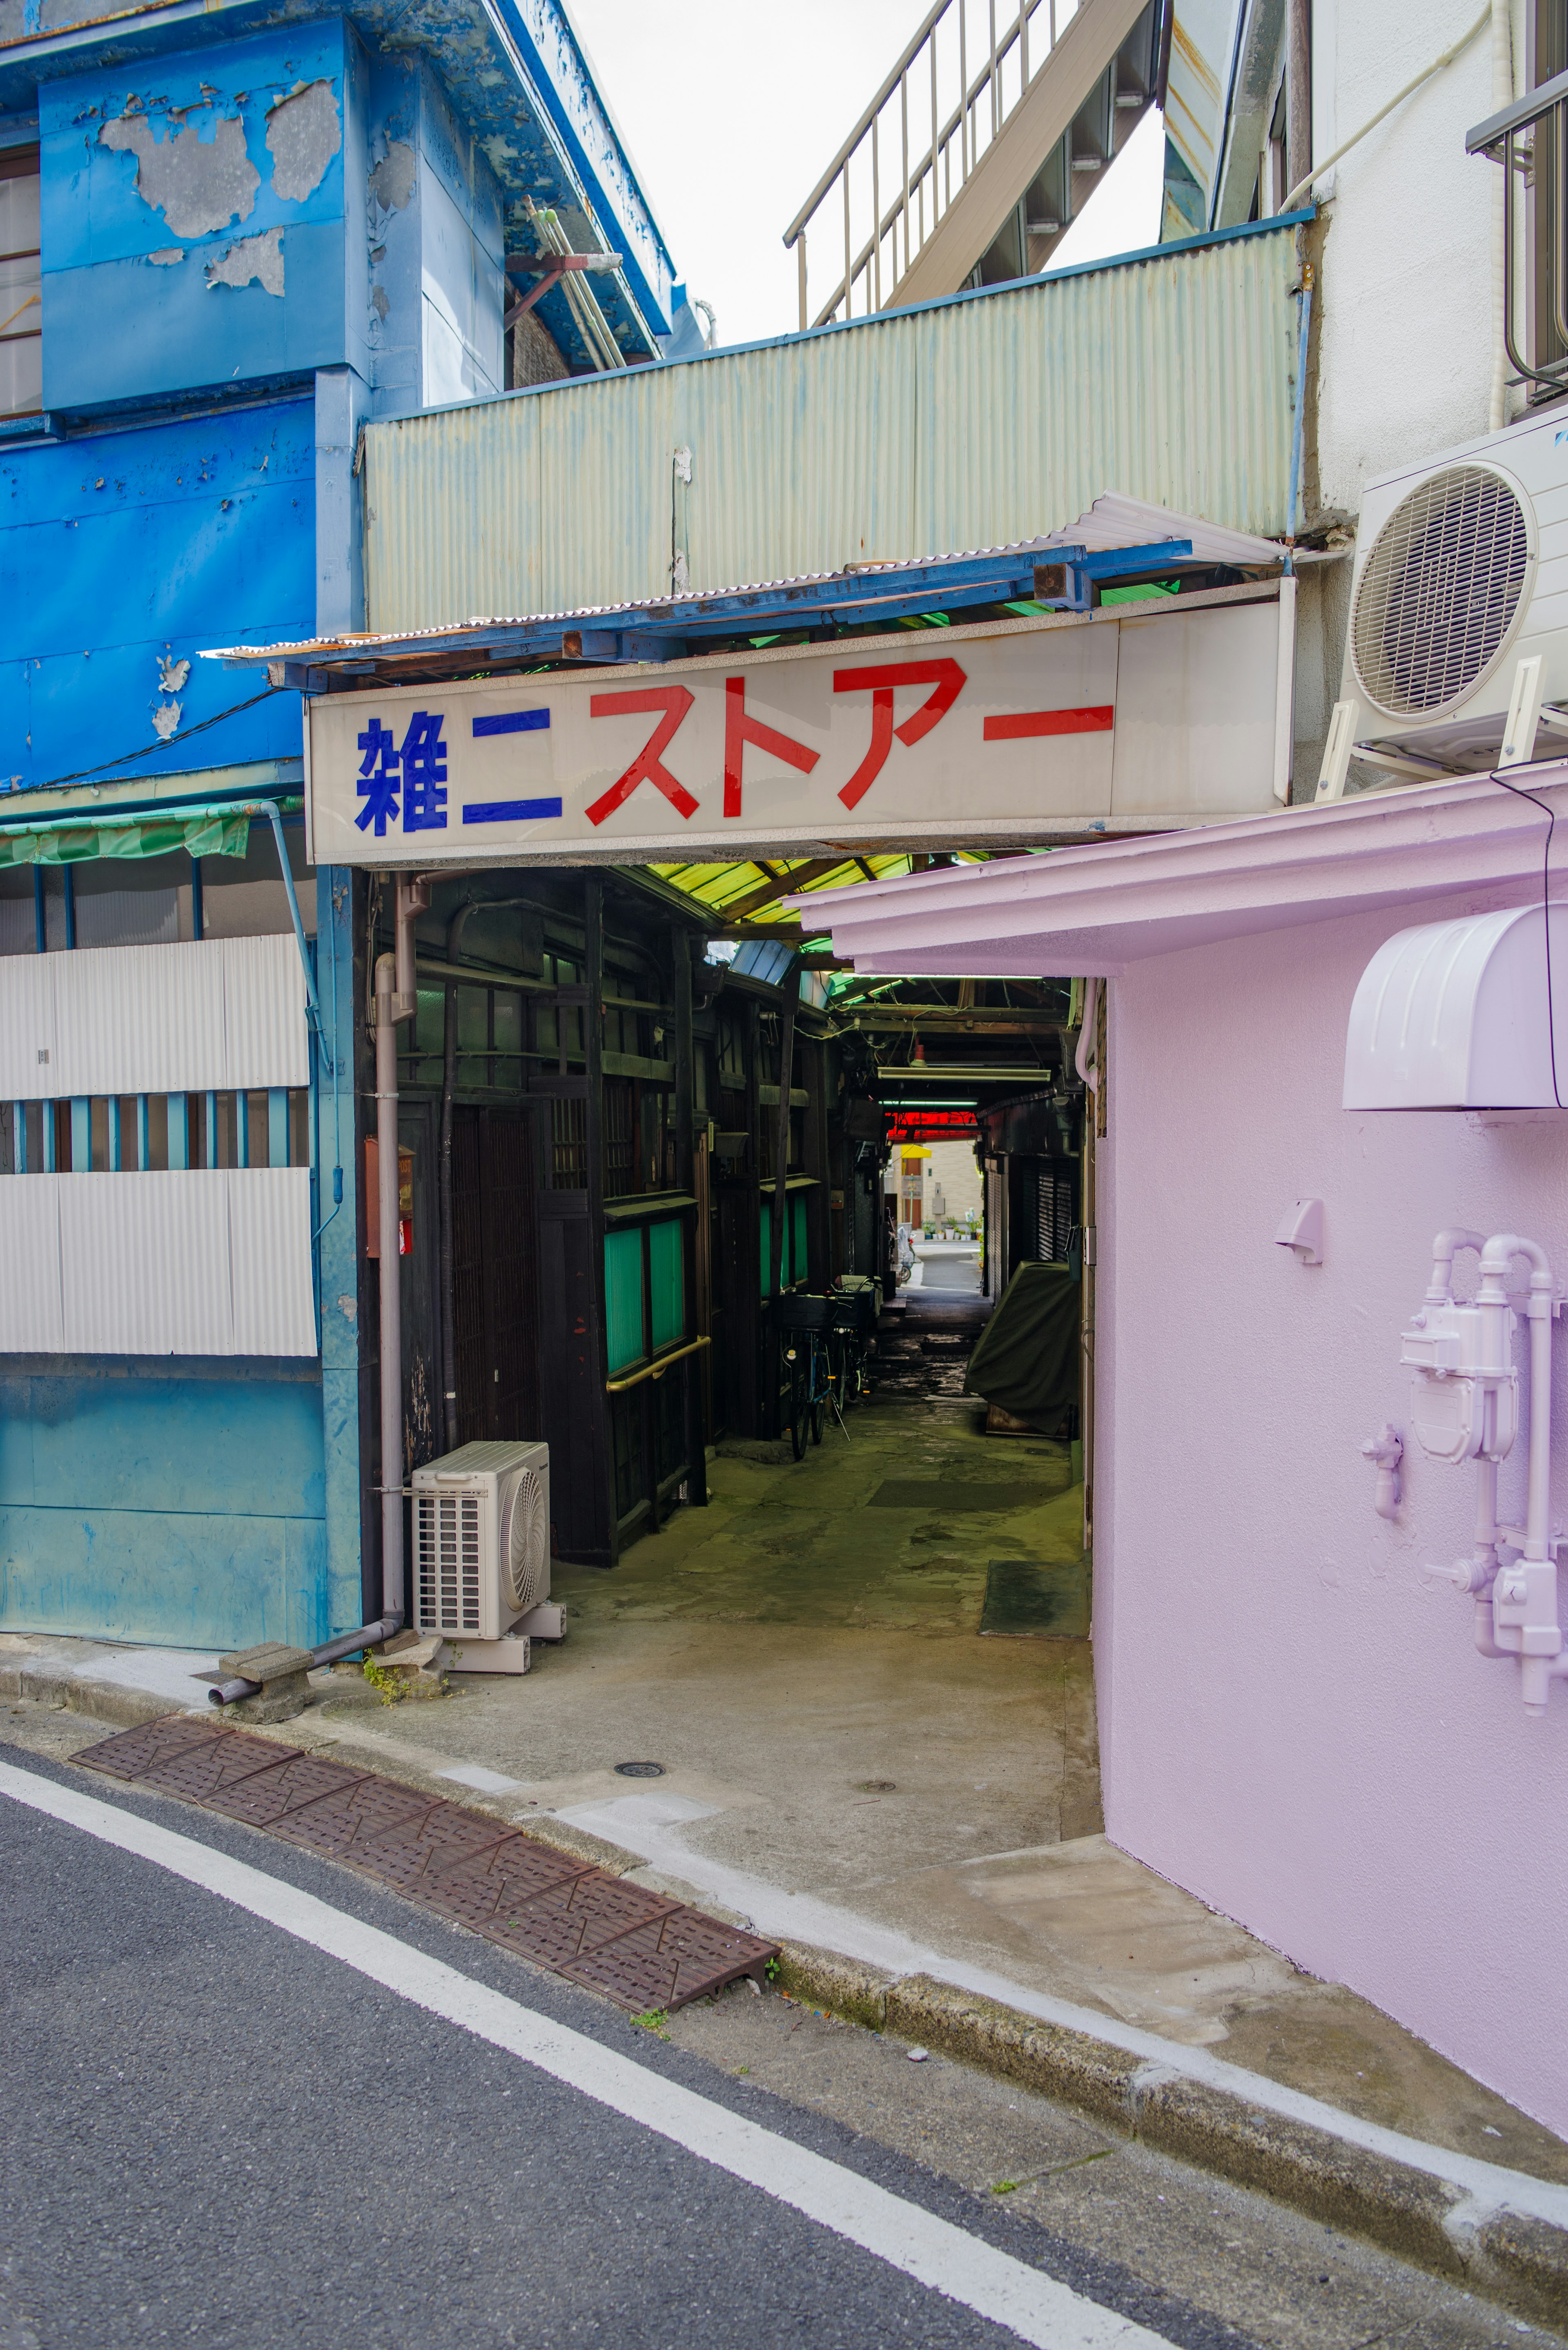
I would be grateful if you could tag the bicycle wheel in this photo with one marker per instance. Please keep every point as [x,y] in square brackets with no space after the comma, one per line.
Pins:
[797,1395]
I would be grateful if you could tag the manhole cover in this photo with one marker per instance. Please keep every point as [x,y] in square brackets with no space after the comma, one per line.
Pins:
[875,1786]
[640,1770]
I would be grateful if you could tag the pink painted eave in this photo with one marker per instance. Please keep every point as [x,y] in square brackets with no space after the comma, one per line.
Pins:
[1092,911]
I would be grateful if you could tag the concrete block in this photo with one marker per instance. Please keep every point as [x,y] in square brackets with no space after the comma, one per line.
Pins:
[271,1660]
[280,1699]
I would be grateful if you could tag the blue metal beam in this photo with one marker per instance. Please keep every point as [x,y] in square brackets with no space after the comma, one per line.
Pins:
[670,631]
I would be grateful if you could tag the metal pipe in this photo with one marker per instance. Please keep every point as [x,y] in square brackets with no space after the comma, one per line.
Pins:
[454,931]
[366,1635]
[1298,420]
[395,1000]
[779,1211]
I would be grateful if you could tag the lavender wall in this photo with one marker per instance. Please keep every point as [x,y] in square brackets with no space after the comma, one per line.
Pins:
[1295,1723]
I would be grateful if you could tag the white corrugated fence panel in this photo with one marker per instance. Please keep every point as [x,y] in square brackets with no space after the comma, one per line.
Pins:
[265,1039]
[28,1047]
[972,423]
[31,1314]
[139,1020]
[209,1015]
[145,1263]
[269,1260]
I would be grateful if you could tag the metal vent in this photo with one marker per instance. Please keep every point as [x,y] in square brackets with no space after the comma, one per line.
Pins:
[525,1545]
[446,1561]
[1441,589]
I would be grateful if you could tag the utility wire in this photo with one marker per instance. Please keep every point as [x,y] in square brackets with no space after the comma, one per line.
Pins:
[149,749]
[1550,813]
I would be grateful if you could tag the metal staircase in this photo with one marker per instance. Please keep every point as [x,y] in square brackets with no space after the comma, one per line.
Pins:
[981,148]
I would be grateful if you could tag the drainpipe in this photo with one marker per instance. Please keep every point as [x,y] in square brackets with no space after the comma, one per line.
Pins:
[1502,96]
[395,1000]
[781,1141]
[1088,1075]
[454,931]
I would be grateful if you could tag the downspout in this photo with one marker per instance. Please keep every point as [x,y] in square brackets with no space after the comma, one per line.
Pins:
[781,1144]
[454,931]
[1501,95]
[395,1000]
[1087,1075]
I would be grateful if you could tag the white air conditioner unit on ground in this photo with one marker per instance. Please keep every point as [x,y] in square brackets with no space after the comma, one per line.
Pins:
[1461,572]
[481,1555]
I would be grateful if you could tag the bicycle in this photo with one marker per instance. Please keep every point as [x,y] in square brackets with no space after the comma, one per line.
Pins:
[810,1388]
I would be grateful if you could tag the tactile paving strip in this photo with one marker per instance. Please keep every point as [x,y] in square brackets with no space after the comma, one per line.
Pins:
[637,1948]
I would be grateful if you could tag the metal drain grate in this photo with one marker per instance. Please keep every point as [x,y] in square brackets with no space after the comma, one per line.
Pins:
[637,1948]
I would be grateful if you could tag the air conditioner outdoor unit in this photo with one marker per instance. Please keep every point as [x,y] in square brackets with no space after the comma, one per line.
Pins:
[481,1555]
[1462,565]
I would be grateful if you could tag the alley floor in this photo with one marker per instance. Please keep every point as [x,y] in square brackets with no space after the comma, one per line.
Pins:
[845,1756]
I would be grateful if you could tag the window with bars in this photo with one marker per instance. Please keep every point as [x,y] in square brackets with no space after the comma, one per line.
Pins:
[568,1146]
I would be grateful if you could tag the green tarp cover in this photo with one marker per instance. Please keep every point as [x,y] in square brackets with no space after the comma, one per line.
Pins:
[1028,1359]
[204,835]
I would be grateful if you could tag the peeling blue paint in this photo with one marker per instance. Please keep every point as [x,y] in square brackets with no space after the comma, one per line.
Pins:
[122,548]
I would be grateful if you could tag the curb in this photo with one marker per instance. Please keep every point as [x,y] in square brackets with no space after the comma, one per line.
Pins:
[1513,2257]
[128,1709]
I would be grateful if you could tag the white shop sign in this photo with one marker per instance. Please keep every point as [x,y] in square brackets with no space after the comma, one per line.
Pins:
[1005,730]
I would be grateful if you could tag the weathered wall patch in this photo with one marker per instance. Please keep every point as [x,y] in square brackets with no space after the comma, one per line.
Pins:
[198,184]
[251,257]
[303,134]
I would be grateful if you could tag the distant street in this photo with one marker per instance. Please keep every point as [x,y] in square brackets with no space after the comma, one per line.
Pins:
[241,2129]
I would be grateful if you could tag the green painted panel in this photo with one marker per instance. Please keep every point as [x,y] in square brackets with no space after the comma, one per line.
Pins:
[623,1299]
[667,1281]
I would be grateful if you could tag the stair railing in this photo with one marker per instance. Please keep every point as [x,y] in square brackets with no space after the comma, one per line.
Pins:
[968,107]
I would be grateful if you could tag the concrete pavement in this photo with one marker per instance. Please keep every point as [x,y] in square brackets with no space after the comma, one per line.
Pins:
[271,2102]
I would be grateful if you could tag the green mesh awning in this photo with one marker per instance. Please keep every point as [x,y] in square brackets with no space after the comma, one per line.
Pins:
[205,832]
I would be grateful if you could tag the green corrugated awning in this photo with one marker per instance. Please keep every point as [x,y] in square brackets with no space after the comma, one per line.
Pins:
[205,832]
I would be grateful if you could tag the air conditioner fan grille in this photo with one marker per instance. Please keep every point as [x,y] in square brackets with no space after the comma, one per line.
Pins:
[1440,590]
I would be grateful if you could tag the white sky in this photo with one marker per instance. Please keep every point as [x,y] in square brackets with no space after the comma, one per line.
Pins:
[732,111]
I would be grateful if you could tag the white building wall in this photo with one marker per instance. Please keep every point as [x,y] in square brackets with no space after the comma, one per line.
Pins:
[1406,346]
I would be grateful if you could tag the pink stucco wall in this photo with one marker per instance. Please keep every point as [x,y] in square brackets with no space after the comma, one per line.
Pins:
[1295,1723]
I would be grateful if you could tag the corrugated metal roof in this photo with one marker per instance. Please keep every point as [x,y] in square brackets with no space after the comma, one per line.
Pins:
[981,423]
[1112,523]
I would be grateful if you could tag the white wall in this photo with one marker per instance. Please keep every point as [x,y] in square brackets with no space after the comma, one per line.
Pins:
[1295,1723]
[1405,322]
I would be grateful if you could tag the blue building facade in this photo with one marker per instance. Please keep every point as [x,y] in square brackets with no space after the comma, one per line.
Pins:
[255,229]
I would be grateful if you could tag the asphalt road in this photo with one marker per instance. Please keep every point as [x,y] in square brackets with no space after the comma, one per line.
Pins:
[293,2128]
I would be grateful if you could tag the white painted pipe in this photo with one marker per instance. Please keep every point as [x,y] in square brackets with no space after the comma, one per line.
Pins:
[1445,1248]
[391,1330]
[1089,1076]
[396,1000]
[1496,1257]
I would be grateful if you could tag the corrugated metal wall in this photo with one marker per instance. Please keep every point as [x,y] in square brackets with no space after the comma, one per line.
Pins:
[970,424]
[215,1261]
[208,1015]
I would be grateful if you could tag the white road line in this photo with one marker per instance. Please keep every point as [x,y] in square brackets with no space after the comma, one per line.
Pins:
[1036,2308]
